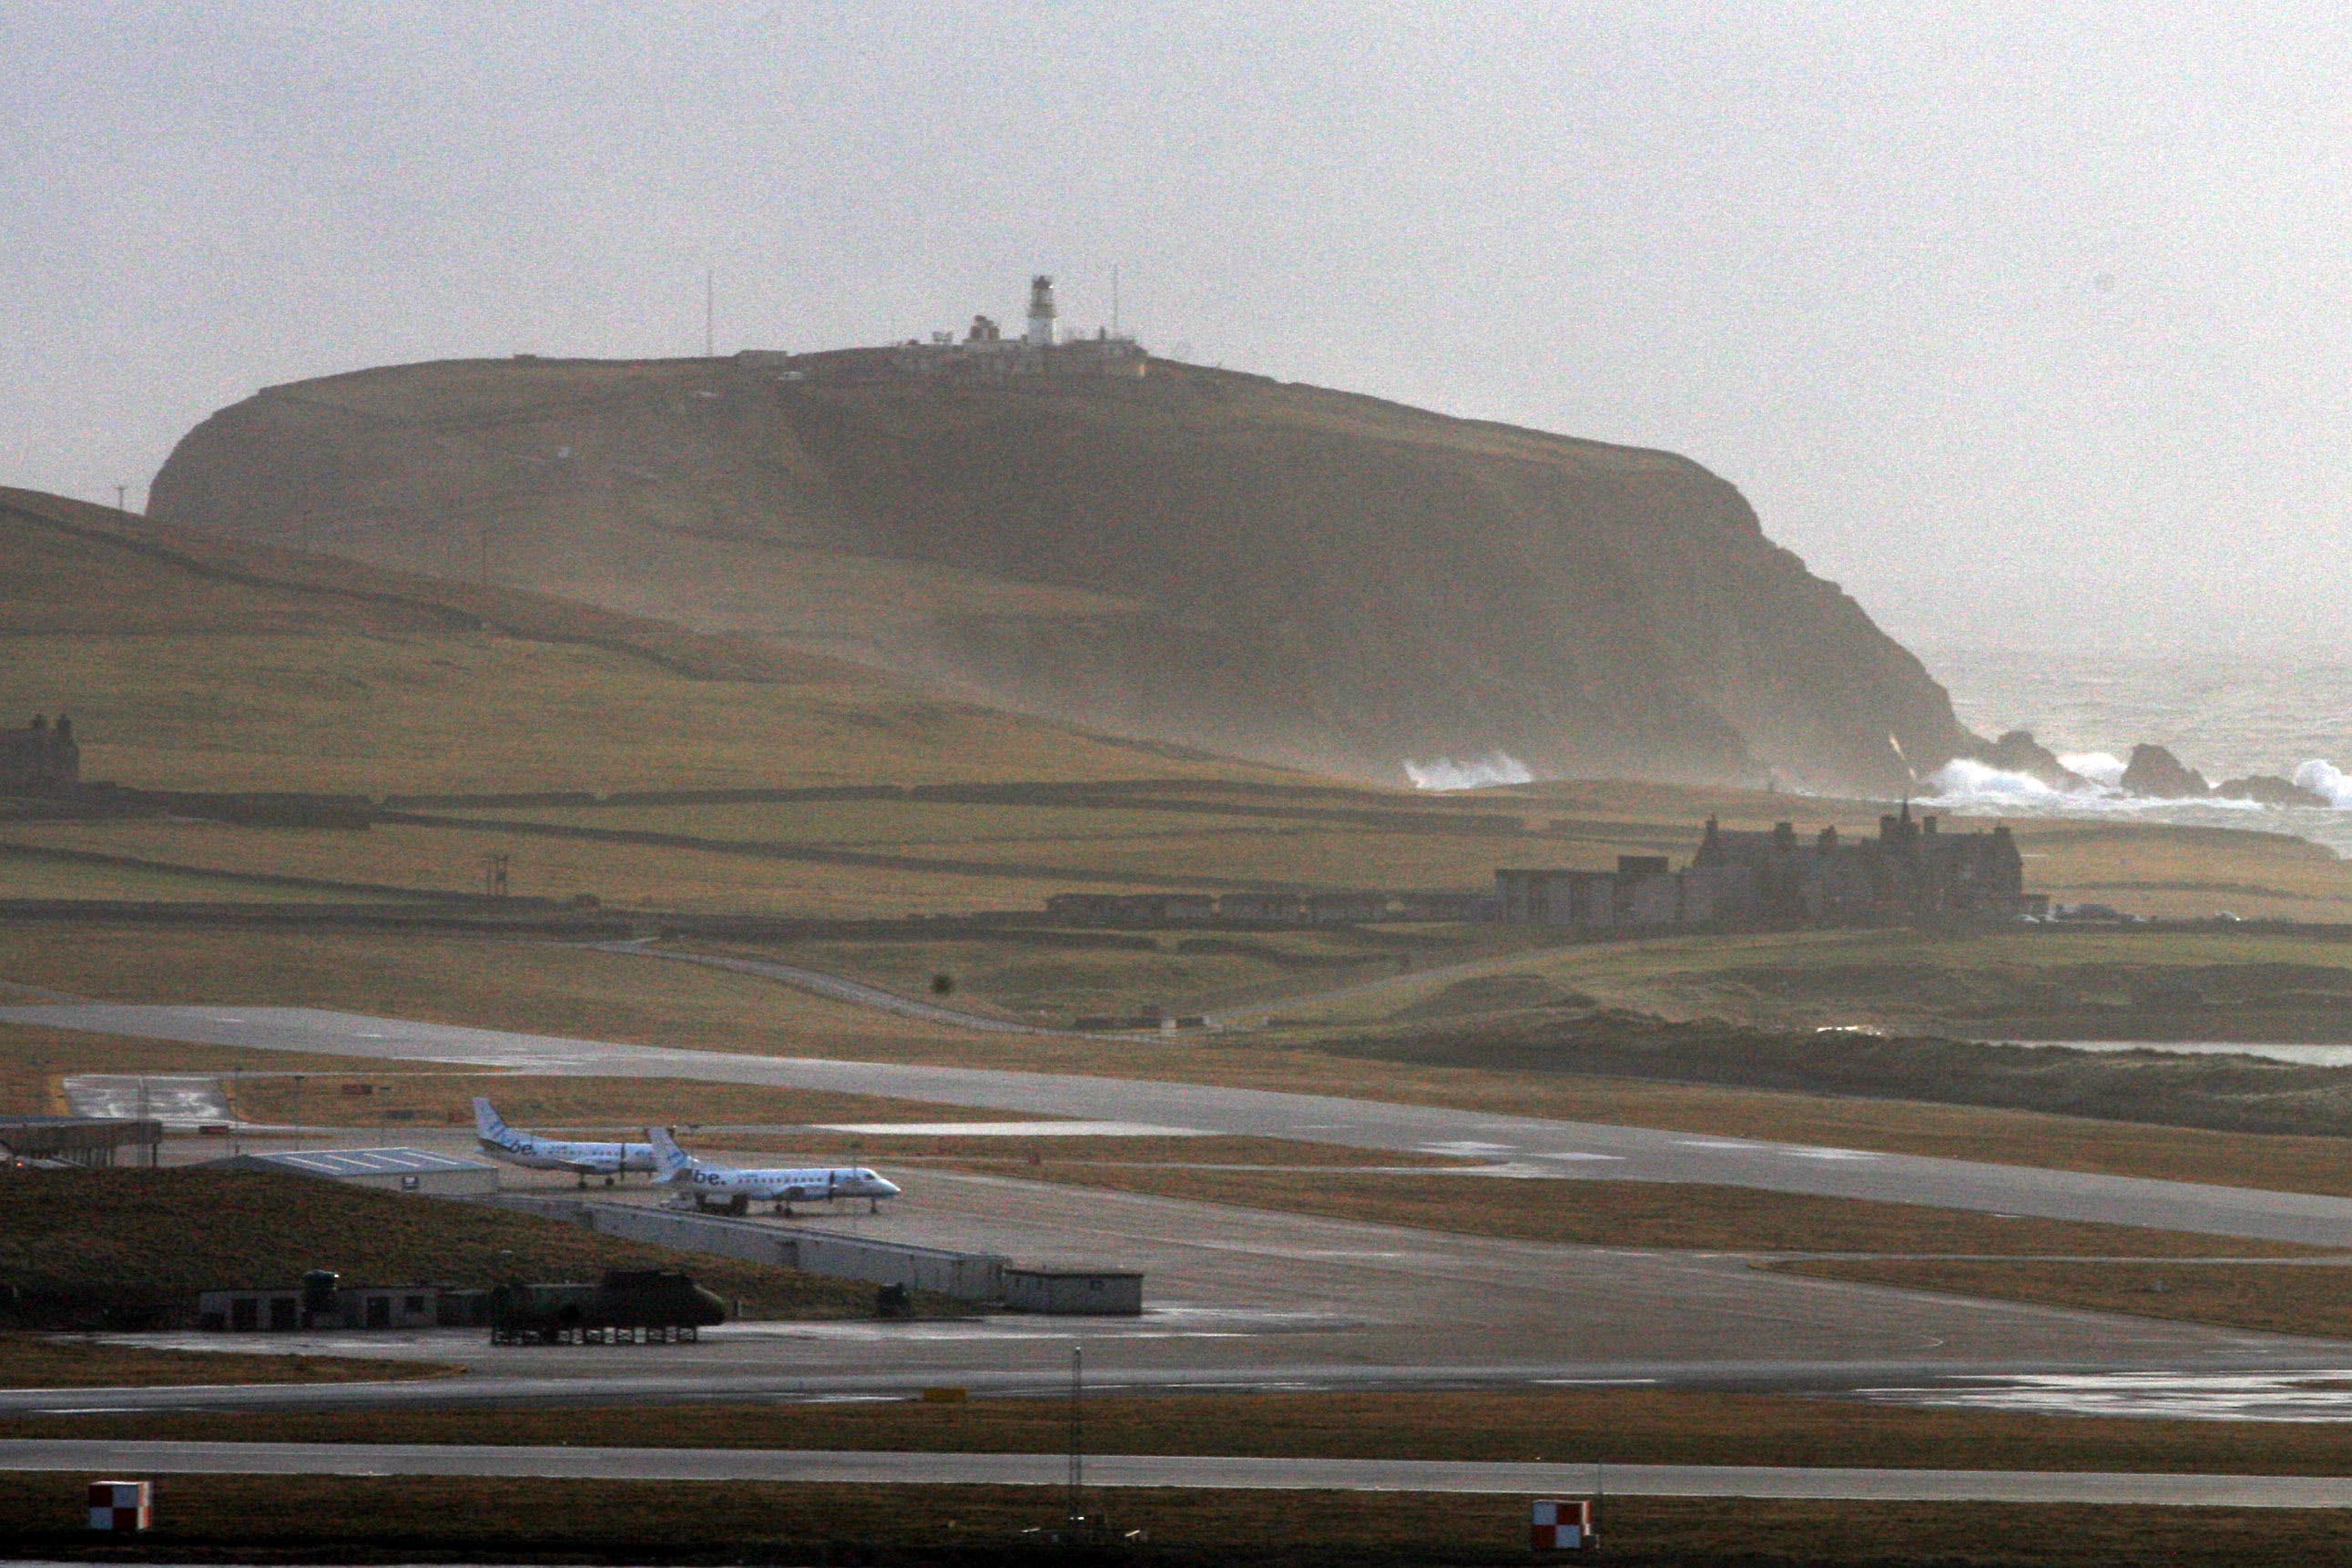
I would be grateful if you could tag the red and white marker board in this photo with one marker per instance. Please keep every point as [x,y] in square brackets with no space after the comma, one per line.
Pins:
[122,1505]
[1562,1526]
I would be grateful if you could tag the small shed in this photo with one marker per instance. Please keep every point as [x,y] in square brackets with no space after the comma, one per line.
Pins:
[1073,1292]
[400,1169]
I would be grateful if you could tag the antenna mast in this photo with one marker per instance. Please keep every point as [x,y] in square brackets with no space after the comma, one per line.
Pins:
[710,312]
[1114,299]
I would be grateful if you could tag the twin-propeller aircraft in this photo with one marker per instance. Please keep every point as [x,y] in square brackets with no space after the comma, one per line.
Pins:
[536,1154]
[736,1189]
[726,1189]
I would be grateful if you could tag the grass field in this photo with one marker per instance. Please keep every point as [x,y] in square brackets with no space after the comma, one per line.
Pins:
[301,1517]
[120,1247]
[1647,1214]
[557,1105]
[550,988]
[2277,1299]
[1617,1425]
[40,1360]
[2020,983]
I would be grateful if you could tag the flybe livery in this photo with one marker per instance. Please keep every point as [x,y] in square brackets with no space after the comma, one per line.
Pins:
[725,1186]
[606,1160]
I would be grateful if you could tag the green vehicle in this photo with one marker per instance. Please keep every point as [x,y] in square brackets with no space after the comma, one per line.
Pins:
[652,1306]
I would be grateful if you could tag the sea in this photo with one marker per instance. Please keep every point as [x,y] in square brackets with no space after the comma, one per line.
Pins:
[2226,715]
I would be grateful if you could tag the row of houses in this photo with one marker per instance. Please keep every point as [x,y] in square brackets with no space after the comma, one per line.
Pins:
[1266,909]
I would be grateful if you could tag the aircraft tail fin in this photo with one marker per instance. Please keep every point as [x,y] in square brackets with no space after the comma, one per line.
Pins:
[487,1121]
[669,1158]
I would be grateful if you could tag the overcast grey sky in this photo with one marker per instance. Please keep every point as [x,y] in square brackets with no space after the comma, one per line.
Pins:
[2020,321]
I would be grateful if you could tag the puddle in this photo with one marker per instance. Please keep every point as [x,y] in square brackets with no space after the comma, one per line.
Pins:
[2307,1396]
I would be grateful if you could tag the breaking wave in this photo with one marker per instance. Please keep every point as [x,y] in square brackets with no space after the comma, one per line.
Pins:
[2099,767]
[1962,785]
[2327,781]
[1471,773]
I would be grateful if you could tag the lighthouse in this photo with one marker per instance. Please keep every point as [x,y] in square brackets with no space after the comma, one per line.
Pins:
[1042,329]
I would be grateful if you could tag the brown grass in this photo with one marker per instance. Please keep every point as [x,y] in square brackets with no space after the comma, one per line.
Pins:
[1079,1154]
[1649,1214]
[108,1246]
[553,989]
[1620,1426]
[612,1106]
[39,1361]
[696,1521]
[2275,1299]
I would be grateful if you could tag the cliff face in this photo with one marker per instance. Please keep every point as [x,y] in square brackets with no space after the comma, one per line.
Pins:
[1197,557]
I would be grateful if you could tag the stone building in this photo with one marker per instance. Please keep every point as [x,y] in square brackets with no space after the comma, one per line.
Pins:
[41,758]
[1910,871]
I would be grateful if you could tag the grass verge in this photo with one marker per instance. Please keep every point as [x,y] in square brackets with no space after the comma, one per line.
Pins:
[2283,1300]
[372,1518]
[350,1517]
[1617,1425]
[549,988]
[37,1361]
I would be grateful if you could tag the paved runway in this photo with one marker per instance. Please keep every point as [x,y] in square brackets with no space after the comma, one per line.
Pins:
[1577,1149]
[819,1467]
[1251,1299]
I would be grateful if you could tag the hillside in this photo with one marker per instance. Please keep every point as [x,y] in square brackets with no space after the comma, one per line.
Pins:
[1279,572]
[194,660]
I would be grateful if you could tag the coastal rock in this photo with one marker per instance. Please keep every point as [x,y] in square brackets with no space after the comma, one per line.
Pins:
[2269,790]
[2155,773]
[2019,753]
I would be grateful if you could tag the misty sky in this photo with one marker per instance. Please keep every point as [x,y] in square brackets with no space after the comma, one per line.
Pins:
[2023,322]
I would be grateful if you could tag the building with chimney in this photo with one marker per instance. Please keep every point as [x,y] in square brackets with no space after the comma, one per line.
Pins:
[1912,871]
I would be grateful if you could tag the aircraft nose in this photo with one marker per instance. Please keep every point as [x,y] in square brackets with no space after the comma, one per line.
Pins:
[885,1187]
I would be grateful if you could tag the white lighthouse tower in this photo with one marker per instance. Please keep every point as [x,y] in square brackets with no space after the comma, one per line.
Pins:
[1043,331]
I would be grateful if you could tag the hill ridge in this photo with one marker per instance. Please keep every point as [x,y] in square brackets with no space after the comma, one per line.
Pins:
[1314,579]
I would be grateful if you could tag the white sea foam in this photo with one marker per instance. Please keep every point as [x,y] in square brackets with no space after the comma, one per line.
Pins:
[1965,782]
[1497,767]
[2099,767]
[1962,785]
[2327,781]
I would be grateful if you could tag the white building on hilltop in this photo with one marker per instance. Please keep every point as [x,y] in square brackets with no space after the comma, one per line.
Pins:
[985,354]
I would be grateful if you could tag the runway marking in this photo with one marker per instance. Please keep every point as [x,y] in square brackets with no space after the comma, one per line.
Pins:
[1015,1128]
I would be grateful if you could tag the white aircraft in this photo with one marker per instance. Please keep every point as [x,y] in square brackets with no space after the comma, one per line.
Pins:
[738,1189]
[606,1160]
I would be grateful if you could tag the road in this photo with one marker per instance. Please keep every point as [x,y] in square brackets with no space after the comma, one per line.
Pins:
[1575,1149]
[808,1467]
[839,989]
